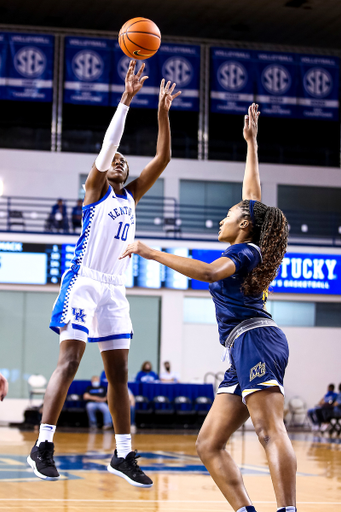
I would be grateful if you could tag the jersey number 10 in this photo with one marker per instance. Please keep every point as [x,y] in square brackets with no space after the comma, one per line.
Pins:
[124,234]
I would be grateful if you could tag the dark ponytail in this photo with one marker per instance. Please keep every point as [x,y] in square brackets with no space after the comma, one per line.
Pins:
[270,232]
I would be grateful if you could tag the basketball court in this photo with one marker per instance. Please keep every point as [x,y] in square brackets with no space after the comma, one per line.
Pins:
[181,482]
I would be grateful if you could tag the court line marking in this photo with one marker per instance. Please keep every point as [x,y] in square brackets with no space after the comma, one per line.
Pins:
[59,500]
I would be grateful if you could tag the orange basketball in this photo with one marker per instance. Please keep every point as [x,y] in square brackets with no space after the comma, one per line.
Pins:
[139,38]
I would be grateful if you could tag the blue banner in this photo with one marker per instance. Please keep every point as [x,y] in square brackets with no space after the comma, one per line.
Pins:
[309,273]
[284,84]
[232,77]
[177,63]
[3,64]
[28,71]
[318,91]
[87,70]
[276,83]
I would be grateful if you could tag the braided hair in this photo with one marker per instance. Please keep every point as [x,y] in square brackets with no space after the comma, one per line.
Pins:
[270,232]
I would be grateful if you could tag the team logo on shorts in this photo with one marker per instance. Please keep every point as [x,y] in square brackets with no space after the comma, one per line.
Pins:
[79,315]
[257,371]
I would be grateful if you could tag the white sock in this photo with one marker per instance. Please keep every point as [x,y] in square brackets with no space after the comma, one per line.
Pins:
[123,444]
[46,433]
[287,509]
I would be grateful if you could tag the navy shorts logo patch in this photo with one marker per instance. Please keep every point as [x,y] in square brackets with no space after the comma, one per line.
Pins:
[257,371]
[79,315]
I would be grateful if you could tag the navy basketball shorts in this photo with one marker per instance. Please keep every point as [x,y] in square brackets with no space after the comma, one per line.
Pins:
[258,361]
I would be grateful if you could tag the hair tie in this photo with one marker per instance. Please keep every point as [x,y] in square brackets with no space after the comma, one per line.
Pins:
[251,207]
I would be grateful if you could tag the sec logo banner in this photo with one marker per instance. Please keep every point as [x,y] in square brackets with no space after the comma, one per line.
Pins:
[30,62]
[87,65]
[232,76]
[318,82]
[178,70]
[276,79]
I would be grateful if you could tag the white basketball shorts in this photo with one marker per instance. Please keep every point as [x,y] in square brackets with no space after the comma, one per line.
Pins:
[93,309]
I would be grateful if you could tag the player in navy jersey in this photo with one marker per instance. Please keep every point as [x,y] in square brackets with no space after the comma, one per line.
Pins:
[92,305]
[256,348]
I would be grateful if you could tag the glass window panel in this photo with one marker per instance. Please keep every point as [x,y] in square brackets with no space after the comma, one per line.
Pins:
[199,311]
[328,314]
[286,313]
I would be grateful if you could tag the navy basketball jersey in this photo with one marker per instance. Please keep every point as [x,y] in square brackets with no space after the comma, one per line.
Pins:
[232,306]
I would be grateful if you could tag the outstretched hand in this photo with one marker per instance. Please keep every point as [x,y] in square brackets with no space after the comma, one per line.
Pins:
[134,82]
[251,123]
[166,95]
[138,248]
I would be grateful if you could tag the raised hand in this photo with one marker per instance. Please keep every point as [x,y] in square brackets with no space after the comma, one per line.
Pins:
[166,95]
[251,123]
[134,82]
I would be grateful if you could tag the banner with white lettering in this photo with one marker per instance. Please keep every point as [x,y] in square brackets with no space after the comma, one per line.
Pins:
[232,76]
[276,83]
[87,70]
[309,273]
[28,72]
[174,62]
[3,64]
[318,88]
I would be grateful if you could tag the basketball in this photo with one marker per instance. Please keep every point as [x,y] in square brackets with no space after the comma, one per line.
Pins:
[139,38]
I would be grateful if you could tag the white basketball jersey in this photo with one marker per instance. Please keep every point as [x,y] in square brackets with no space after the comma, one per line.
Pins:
[108,228]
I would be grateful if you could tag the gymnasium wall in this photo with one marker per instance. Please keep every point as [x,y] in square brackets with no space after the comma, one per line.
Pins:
[193,349]
[47,174]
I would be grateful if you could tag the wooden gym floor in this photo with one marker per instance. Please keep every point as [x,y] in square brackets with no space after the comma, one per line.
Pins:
[181,483]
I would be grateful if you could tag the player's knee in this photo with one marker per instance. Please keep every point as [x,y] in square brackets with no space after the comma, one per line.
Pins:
[69,367]
[119,376]
[268,433]
[205,446]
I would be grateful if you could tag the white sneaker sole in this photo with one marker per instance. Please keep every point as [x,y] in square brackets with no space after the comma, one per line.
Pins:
[40,475]
[129,480]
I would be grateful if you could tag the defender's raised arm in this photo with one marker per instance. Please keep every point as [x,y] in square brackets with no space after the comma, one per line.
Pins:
[251,182]
[153,170]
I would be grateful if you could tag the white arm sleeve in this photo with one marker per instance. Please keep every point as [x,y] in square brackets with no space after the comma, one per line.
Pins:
[112,138]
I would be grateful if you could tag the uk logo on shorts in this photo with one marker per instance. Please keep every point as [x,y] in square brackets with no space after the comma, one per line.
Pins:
[257,371]
[79,315]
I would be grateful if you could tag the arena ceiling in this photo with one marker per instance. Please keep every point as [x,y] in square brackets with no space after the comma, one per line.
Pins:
[303,23]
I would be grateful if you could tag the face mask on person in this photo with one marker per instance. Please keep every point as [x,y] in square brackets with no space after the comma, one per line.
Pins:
[167,367]
[96,384]
[147,369]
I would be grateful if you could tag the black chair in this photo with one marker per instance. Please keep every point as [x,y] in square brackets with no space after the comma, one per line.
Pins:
[171,225]
[184,412]
[16,218]
[202,404]
[163,411]
[144,412]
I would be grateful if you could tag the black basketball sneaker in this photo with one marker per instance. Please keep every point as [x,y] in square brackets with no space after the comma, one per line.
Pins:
[41,461]
[129,469]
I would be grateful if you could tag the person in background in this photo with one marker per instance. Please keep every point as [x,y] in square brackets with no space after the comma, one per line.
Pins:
[331,411]
[77,215]
[3,387]
[58,217]
[146,374]
[316,413]
[168,375]
[96,397]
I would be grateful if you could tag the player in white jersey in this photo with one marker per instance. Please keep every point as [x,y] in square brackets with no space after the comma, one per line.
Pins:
[92,305]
